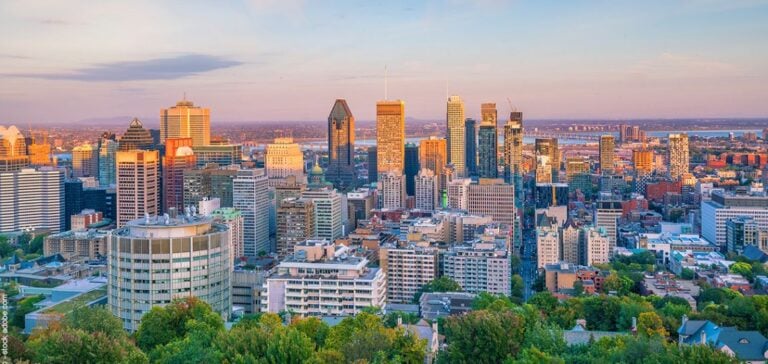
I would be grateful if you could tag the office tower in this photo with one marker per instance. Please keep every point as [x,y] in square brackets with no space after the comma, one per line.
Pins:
[575,166]
[349,284]
[607,215]
[543,169]
[598,246]
[427,197]
[295,224]
[185,120]
[570,238]
[73,200]
[85,161]
[32,199]
[607,153]
[360,202]
[283,158]
[233,219]
[629,133]
[412,166]
[373,172]
[551,194]
[470,136]
[723,206]
[548,147]
[107,154]
[13,150]
[212,182]
[290,188]
[494,198]
[136,138]
[679,158]
[38,149]
[178,158]
[643,163]
[454,118]
[408,269]
[479,267]
[250,195]
[513,149]
[221,154]
[547,246]
[488,149]
[137,185]
[100,199]
[186,257]
[390,136]
[458,193]
[329,223]
[341,147]
[391,187]
[432,154]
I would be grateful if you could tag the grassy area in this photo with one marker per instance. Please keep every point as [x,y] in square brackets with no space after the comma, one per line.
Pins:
[69,305]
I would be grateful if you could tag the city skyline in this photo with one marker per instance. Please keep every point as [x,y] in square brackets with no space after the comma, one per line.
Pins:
[563,60]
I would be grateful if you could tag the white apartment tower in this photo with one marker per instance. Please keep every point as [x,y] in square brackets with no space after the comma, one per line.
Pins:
[426,184]
[250,195]
[138,192]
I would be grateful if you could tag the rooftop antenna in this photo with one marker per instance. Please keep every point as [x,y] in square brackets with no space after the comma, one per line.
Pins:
[385,82]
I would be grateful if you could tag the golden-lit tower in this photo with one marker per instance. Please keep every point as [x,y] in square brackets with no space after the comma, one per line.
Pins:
[178,158]
[185,120]
[679,158]
[456,134]
[390,136]
[432,154]
[607,153]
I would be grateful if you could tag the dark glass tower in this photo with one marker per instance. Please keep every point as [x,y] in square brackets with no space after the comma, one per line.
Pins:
[471,147]
[412,167]
[373,173]
[341,147]
[487,146]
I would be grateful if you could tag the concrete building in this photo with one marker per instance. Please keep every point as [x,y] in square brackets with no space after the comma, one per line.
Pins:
[221,154]
[85,219]
[138,187]
[136,138]
[85,161]
[209,182]
[185,120]
[723,206]
[329,217]
[178,158]
[32,199]
[322,279]
[341,147]
[488,140]
[407,270]
[547,246]
[454,119]
[235,223]
[295,224]
[283,158]
[571,243]
[360,203]
[82,244]
[607,153]
[678,155]
[427,197]
[494,198]
[13,149]
[479,267]
[155,260]
[607,215]
[391,190]
[470,148]
[458,193]
[597,246]
[743,231]
[390,136]
[251,197]
[432,154]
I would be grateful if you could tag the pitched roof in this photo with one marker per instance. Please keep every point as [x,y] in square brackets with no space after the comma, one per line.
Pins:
[691,327]
[747,345]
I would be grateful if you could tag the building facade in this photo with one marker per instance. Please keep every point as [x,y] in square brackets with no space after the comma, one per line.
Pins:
[454,119]
[251,196]
[390,136]
[407,270]
[138,189]
[479,267]
[32,199]
[341,147]
[185,120]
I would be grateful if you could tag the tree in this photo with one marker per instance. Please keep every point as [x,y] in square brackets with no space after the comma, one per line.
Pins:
[742,268]
[6,249]
[484,336]
[23,307]
[93,320]
[62,344]
[314,328]
[518,288]
[618,283]
[492,302]
[364,338]
[442,284]
[161,325]
[687,274]
[650,324]
[578,288]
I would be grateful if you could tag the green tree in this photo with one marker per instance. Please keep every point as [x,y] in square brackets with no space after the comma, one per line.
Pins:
[650,324]
[492,302]
[518,288]
[365,338]
[484,336]
[6,249]
[23,307]
[687,274]
[61,344]
[742,268]
[315,329]
[93,320]
[161,325]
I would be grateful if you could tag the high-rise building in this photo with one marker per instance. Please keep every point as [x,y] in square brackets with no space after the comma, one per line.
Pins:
[107,154]
[85,161]
[432,154]
[458,193]
[547,246]
[551,194]
[137,185]
[513,149]
[341,147]
[607,215]
[328,203]
[470,136]
[607,153]
[250,194]
[185,120]
[360,202]
[408,270]
[412,167]
[575,166]
[643,163]
[295,224]
[548,147]
[679,158]
[488,140]
[283,158]
[724,206]
[32,199]
[479,267]
[427,197]
[598,246]
[391,186]
[543,169]
[178,158]
[221,154]
[454,118]
[373,172]
[185,256]
[492,197]
[136,137]
[570,238]
[13,149]
[210,182]
[390,136]
[741,232]
[628,133]
[234,220]
[38,149]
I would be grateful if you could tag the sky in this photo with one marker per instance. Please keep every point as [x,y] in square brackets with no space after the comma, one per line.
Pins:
[273,60]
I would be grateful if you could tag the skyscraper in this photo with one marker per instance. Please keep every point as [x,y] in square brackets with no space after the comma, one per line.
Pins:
[488,140]
[251,197]
[426,193]
[373,172]
[513,150]
[185,120]
[391,188]
[492,197]
[412,166]
[136,137]
[328,212]
[221,154]
[13,149]
[107,154]
[137,185]
[607,153]
[210,182]
[679,158]
[283,158]
[85,161]
[32,199]
[456,142]
[341,147]
[38,149]
[390,136]
[575,166]
[470,135]
[548,147]
[178,158]
[643,163]
[295,224]
[432,154]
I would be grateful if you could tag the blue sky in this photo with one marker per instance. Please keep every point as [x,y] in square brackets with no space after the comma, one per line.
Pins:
[63,61]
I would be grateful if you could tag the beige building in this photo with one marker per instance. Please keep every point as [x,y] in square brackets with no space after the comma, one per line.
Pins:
[185,120]
[390,136]
[547,246]
[492,197]
[679,158]
[432,154]
[607,153]
[233,219]
[137,185]
[408,269]
[458,193]
[391,187]
[597,246]
[570,237]
[456,134]
[284,158]
[87,244]
[85,161]
[426,188]
[295,224]
[479,267]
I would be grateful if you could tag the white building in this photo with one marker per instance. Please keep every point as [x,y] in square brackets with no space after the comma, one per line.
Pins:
[234,221]
[479,267]
[458,193]
[426,192]
[155,260]
[607,216]
[321,279]
[32,199]
[407,269]
[250,195]
[724,206]
[547,246]
[597,246]
[329,217]
[138,190]
[391,186]
[664,243]
[492,197]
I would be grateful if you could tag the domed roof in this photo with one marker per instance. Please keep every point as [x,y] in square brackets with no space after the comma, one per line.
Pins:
[316,170]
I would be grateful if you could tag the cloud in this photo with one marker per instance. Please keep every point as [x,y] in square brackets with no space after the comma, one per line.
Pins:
[668,65]
[151,69]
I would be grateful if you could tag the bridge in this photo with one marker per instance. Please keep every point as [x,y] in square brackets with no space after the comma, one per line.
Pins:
[562,135]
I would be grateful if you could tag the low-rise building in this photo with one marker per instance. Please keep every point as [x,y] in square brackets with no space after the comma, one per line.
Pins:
[88,244]
[479,267]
